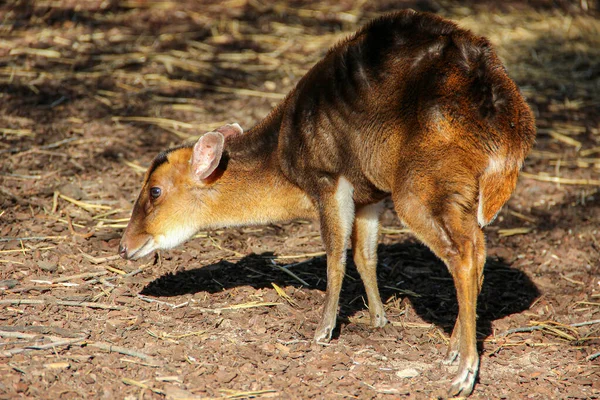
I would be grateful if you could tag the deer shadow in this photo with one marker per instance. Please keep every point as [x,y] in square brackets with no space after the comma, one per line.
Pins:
[406,270]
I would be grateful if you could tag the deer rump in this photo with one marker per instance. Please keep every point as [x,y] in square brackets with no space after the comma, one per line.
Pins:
[410,99]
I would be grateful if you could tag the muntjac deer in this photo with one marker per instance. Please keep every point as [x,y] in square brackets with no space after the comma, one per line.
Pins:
[412,107]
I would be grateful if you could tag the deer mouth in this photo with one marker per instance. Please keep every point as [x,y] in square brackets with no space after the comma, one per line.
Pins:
[141,251]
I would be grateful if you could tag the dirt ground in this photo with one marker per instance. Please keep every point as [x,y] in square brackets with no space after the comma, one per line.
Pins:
[91,91]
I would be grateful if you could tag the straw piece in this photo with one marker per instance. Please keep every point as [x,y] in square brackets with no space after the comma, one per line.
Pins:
[562,138]
[393,231]
[412,325]
[588,152]
[514,231]
[36,52]
[284,295]
[291,256]
[135,167]
[403,291]
[215,88]
[251,304]
[155,121]
[523,216]
[183,335]
[17,132]
[86,206]
[564,181]
[115,270]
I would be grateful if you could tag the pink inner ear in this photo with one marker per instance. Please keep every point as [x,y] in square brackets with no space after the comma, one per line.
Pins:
[207,154]
[230,130]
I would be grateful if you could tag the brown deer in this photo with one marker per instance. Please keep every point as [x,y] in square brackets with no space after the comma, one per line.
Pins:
[412,107]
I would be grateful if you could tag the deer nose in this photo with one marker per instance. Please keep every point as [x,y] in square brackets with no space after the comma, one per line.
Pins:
[123,251]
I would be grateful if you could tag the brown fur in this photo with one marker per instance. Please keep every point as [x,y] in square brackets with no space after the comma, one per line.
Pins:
[410,106]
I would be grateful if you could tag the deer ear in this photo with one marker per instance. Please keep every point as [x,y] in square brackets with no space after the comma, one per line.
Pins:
[230,130]
[207,154]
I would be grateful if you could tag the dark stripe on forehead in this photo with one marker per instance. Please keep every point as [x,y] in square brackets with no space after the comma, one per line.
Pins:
[163,157]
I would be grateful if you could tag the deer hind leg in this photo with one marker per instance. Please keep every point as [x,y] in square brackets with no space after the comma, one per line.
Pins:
[454,345]
[364,245]
[453,234]
[336,208]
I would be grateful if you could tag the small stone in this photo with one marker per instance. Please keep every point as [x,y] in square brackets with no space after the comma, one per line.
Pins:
[270,86]
[407,373]
[8,284]
[57,365]
[174,393]
[72,191]
[47,266]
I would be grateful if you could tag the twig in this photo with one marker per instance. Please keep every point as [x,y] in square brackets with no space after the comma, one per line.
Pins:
[132,273]
[25,289]
[98,260]
[288,266]
[285,257]
[252,304]
[141,385]
[519,330]
[38,329]
[290,273]
[573,281]
[27,238]
[53,344]
[593,356]
[61,303]
[56,344]
[73,232]
[541,327]
[233,394]
[123,350]
[592,322]
[17,335]
[45,147]
[112,278]
[80,276]
[151,300]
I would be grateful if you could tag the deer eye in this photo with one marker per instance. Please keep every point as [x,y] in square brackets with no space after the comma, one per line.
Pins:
[155,193]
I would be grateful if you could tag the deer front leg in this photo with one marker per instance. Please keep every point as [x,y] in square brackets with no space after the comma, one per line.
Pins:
[336,208]
[364,245]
